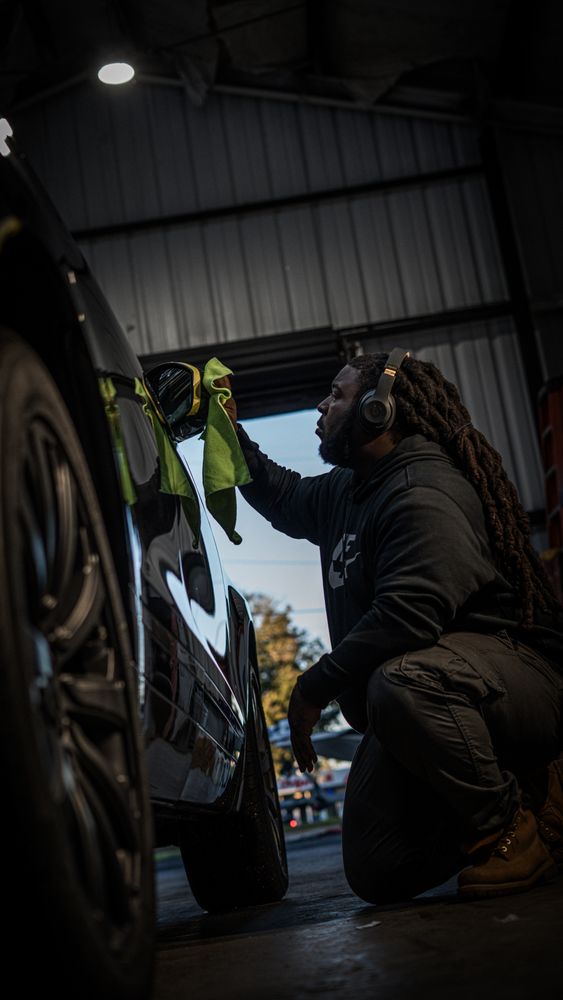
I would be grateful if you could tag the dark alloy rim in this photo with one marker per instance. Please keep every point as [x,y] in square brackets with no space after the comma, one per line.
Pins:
[76,685]
[268,772]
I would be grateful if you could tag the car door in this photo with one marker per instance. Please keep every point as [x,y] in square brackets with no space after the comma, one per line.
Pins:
[192,716]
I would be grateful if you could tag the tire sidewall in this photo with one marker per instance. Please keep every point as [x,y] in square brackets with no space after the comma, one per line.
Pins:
[77,957]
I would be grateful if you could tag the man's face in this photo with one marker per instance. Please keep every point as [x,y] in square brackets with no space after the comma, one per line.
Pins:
[337,426]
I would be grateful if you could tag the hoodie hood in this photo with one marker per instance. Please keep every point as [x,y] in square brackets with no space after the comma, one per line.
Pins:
[410,450]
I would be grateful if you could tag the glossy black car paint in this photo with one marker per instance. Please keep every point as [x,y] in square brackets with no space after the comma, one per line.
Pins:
[190,631]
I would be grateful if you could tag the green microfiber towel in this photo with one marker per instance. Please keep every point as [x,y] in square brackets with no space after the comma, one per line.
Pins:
[224,466]
[173,479]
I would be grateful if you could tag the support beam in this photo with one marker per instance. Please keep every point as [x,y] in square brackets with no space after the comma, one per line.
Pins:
[275,374]
[292,371]
[409,325]
[311,199]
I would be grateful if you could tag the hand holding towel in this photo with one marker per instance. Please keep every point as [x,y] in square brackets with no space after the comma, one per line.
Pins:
[224,466]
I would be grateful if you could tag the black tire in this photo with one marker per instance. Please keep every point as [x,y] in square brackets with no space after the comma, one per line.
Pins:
[239,859]
[77,826]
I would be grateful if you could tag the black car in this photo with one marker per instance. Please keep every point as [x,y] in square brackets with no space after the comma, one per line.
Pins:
[129,687]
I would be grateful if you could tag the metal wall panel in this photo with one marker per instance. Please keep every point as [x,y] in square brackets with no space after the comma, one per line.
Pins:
[483,360]
[110,158]
[343,263]
[119,156]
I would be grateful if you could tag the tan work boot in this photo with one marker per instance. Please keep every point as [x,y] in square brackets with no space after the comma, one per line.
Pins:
[549,815]
[516,861]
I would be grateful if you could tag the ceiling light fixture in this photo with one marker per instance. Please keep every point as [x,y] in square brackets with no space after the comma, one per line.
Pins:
[5,134]
[115,73]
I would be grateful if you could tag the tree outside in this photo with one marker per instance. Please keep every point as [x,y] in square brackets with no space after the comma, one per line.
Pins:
[284,650]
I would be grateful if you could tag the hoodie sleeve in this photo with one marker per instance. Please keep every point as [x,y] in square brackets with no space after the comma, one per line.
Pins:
[292,504]
[428,559]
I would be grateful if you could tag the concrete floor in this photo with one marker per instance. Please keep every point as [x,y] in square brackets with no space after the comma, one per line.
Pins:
[321,941]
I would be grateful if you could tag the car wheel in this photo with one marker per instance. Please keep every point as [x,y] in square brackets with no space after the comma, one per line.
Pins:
[240,859]
[77,829]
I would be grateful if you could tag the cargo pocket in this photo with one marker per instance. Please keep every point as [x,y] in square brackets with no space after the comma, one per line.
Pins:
[424,668]
[445,670]
[473,668]
[477,680]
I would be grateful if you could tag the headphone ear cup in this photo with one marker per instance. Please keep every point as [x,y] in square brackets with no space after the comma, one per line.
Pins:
[377,408]
[392,413]
[374,414]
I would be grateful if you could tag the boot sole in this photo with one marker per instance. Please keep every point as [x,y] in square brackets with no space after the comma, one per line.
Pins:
[547,873]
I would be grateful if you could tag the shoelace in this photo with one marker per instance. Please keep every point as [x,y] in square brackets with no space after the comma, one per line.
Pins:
[546,831]
[504,843]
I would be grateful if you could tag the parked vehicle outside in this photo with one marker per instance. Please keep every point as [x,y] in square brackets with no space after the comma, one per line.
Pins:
[129,686]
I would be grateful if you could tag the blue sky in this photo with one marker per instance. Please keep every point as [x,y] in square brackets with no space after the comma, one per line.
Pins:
[266,561]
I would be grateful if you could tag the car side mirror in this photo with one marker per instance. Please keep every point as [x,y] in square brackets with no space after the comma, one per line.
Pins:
[178,389]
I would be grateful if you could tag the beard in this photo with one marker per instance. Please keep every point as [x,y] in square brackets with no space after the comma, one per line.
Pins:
[337,448]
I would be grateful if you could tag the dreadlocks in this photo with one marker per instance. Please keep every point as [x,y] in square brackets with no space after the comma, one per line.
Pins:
[428,404]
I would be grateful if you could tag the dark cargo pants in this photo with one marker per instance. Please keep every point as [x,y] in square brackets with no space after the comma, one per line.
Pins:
[452,732]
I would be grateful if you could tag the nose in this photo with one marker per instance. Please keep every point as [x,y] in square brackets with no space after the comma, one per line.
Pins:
[323,405]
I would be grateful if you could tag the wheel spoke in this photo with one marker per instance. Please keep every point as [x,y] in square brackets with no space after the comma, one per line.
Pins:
[49,512]
[110,855]
[112,786]
[95,698]
[67,533]
[43,495]
[86,837]
[79,609]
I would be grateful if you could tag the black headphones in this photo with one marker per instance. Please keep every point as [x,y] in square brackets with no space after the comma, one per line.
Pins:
[376,408]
